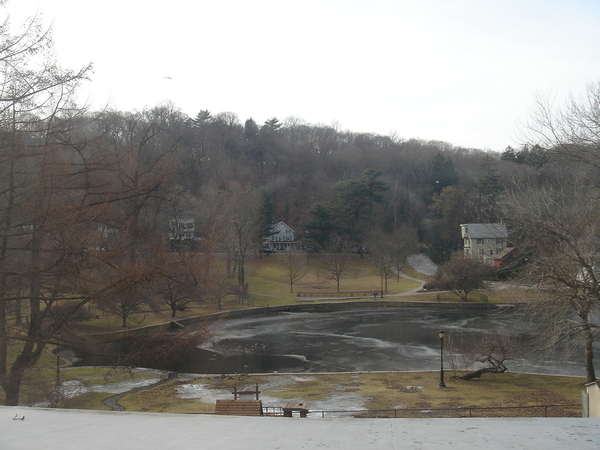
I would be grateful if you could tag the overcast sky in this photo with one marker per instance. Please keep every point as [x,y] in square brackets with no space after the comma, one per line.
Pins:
[461,71]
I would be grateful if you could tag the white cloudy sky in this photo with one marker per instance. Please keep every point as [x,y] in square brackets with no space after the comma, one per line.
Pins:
[461,71]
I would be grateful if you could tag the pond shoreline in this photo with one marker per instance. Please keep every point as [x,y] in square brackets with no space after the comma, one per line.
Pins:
[347,305]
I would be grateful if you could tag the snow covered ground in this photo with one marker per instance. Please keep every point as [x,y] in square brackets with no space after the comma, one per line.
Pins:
[77,429]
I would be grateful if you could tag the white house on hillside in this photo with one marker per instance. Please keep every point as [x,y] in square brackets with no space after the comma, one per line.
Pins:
[484,240]
[281,238]
[181,230]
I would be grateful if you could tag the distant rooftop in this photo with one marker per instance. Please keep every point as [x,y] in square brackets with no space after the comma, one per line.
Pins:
[486,230]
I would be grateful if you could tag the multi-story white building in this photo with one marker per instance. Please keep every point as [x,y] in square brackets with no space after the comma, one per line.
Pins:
[182,229]
[282,238]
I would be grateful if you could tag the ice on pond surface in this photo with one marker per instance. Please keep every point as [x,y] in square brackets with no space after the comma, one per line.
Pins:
[384,339]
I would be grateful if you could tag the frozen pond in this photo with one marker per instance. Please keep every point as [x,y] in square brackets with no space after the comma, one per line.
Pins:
[384,339]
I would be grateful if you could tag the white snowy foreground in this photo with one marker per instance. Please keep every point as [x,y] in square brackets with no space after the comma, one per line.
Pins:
[80,429]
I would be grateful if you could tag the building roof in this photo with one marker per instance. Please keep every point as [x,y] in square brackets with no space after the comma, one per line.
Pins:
[486,230]
[281,222]
[503,254]
[76,429]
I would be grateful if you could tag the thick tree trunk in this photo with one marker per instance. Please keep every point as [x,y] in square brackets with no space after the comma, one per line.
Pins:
[589,353]
[3,342]
[4,283]
[12,387]
[241,279]
[12,383]
[478,373]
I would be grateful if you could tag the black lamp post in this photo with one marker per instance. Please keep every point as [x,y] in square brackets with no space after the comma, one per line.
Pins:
[441,334]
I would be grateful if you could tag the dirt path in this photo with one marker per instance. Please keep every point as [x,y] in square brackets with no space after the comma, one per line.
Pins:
[113,402]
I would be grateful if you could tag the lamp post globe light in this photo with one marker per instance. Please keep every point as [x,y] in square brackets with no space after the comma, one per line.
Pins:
[441,335]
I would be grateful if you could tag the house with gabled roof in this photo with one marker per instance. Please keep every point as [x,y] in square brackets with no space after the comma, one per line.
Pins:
[281,238]
[182,233]
[506,256]
[484,241]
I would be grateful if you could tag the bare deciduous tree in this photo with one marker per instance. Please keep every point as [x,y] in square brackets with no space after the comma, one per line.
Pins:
[218,288]
[79,204]
[572,130]
[180,283]
[333,262]
[384,268]
[461,276]
[243,219]
[487,354]
[41,215]
[380,248]
[402,243]
[558,229]
[295,267]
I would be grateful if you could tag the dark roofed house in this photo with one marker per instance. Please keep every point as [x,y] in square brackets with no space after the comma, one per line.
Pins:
[506,255]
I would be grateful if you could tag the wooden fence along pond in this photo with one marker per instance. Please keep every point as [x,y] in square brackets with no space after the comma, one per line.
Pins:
[375,294]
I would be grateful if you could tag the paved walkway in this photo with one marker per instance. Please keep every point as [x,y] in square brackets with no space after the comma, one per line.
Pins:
[113,402]
[422,263]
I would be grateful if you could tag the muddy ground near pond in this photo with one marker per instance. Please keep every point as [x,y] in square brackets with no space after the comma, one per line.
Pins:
[344,393]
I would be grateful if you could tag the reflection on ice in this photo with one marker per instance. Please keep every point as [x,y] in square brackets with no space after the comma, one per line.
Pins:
[301,358]
[356,340]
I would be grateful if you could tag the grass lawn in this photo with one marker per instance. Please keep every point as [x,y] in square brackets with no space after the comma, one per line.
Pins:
[269,276]
[363,391]
[269,285]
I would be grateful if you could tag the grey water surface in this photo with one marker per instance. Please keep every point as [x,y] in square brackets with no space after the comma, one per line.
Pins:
[382,339]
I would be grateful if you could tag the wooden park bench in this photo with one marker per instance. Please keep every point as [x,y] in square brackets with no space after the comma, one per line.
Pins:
[239,407]
[244,403]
